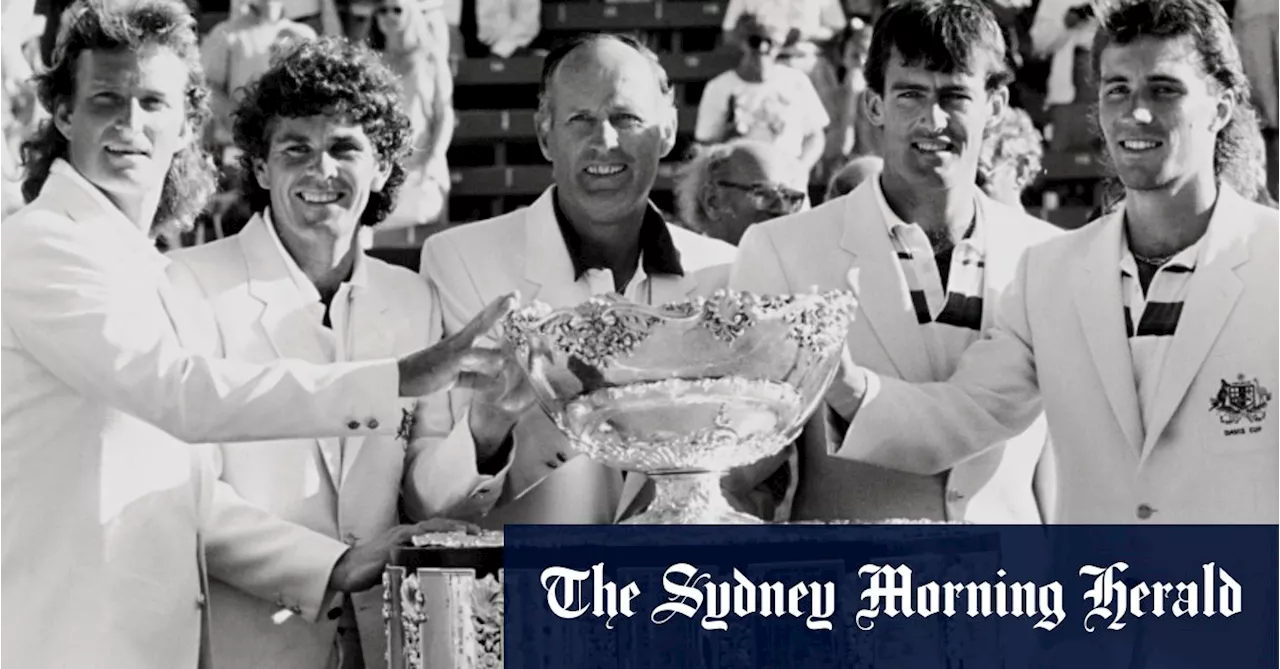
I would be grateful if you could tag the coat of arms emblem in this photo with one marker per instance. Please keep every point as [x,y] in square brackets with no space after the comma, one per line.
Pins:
[1242,399]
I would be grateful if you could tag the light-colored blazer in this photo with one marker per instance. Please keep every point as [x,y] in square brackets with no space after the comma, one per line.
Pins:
[1209,452]
[258,314]
[524,250]
[844,245]
[98,397]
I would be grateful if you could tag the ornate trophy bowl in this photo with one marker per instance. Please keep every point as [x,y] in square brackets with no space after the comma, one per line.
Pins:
[684,392]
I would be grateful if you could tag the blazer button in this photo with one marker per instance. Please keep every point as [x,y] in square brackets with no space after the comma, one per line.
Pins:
[1145,511]
[373,423]
[200,600]
[354,425]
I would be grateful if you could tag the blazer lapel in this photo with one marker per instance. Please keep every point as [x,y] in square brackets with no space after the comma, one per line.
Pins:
[373,337]
[878,284]
[548,268]
[1101,310]
[1000,262]
[283,321]
[283,318]
[1211,295]
[668,288]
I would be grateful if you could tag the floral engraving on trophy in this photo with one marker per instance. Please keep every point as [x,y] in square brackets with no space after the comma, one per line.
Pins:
[597,332]
[684,391]
[818,328]
[388,616]
[487,608]
[726,328]
[413,615]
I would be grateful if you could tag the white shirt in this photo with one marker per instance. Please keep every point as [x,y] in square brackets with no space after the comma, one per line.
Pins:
[336,339]
[945,337]
[1151,319]
[783,109]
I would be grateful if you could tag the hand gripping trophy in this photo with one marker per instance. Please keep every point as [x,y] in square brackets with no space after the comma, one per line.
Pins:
[683,392]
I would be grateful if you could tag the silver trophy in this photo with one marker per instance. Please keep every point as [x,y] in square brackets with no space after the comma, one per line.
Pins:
[684,392]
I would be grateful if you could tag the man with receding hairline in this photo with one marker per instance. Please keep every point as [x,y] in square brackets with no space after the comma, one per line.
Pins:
[605,120]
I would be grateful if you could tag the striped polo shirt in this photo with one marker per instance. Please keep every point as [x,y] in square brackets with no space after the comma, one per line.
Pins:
[950,317]
[1151,319]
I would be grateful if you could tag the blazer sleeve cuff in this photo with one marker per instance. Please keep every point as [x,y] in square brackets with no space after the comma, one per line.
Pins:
[445,478]
[844,405]
[318,554]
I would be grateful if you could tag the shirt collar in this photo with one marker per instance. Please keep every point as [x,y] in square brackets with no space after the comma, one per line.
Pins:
[658,252]
[1186,258]
[973,236]
[359,272]
[129,231]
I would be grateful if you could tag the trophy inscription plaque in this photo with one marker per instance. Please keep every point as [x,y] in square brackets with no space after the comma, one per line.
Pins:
[683,392]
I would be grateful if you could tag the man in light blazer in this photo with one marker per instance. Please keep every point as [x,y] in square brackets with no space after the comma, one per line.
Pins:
[927,256]
[295,282]
[103,502]
[1150,334]
[605,120]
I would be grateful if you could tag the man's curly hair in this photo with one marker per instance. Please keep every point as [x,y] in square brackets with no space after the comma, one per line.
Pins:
[1012,139]
[330,77]
[96,25]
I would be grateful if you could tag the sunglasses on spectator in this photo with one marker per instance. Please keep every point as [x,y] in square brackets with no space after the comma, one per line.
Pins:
[761,43]
[765,196]
[394,11]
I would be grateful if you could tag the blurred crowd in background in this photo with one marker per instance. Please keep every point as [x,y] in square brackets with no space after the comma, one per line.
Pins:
[783,127]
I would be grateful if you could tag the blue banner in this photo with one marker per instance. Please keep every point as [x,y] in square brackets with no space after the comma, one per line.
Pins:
[891,596]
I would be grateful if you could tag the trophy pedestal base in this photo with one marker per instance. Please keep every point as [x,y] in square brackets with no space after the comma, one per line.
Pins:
[690,499]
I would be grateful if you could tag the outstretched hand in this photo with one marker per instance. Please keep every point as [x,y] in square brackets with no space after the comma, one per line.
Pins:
[456,361]
[497,407]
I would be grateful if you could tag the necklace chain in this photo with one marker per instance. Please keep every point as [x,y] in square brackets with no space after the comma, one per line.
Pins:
[1157,261]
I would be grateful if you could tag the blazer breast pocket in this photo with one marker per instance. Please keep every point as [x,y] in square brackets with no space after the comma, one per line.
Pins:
[1238,411]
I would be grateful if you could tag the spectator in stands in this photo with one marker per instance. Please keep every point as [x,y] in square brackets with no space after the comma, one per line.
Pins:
[852,175]
[921,234]
[413,51]
[326,118]
[324,17]
[239,49]
[1062,31]
[20,112]
[760,99]
[106,526]
[1011,157]
[728,187]
[851,134]
[508,26]
[1255,31]
[606,117]
[805,20]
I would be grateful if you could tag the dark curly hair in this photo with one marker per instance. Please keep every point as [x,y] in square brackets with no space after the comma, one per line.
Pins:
[331,77]
[94,25]
[1238,160]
